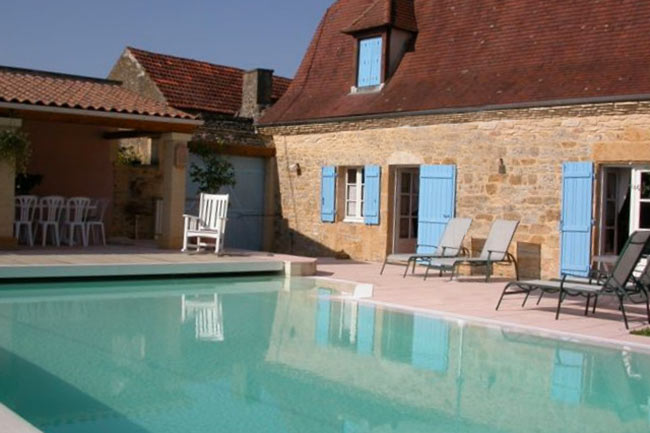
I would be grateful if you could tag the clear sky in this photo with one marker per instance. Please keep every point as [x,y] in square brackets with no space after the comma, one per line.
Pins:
[86,37]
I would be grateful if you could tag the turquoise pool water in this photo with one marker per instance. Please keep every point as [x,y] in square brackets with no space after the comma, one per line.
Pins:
[253,355]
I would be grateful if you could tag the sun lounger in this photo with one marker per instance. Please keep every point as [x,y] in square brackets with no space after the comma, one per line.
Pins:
[619,283]
[495,250]
[450,246]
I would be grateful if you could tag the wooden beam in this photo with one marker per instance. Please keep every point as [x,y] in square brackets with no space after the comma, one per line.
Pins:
[131,133]
[112,122]
[239,150]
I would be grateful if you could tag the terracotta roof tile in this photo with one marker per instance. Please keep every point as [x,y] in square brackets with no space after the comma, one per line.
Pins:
[398,13]
[197,85]
[475,54]
[26,86]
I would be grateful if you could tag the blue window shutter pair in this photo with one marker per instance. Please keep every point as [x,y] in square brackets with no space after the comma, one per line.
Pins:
[437,204]
[575,226]
[371,198]
[369,62]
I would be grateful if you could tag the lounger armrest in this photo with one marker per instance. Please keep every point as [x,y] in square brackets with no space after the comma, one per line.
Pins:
[505,253]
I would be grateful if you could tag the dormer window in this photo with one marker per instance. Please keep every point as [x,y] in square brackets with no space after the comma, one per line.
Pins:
[369,63]
[383,33]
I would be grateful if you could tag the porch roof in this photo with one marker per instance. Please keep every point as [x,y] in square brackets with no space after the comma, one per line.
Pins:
[46,95]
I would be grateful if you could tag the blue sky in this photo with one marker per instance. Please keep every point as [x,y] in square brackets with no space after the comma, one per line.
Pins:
[86,37]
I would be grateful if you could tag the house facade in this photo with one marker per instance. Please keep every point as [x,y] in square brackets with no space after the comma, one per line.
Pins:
[228,100]
[405,113]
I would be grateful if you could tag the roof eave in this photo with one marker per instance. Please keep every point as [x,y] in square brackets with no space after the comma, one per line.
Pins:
[461,110]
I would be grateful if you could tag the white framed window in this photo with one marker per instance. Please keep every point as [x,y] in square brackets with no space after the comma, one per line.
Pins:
[354,194]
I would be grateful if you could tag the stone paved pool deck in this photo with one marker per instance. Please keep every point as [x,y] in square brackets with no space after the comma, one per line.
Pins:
[142,259]
[471,297]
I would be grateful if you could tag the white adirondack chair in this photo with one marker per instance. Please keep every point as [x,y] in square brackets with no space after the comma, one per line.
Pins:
[210,224]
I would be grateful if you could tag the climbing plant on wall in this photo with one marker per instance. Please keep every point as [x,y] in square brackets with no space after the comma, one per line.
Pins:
[15,148]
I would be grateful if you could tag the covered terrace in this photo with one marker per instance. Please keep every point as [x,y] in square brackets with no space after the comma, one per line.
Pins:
[74,125]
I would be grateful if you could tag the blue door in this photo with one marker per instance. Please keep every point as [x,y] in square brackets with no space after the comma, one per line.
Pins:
[437,204]
[244,228]
[575,226]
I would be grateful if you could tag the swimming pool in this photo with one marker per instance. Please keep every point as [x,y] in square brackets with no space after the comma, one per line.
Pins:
[251,354]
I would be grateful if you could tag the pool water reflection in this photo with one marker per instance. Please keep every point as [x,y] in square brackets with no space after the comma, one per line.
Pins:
[254,355]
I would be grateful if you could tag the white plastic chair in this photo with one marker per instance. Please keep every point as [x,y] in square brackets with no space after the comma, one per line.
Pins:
[76,212]
[49,209]
[211,222]
[95,220]
[25,207]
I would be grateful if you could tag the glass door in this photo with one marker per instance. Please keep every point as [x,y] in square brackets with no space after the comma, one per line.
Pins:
[640,204]
[406,210]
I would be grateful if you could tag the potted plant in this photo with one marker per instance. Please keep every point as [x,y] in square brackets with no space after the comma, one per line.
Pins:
[15,149]
[214,173]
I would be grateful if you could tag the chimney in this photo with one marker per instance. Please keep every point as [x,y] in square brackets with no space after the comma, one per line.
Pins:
[257,88]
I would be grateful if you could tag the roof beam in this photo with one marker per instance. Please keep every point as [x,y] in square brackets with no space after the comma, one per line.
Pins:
[131,133]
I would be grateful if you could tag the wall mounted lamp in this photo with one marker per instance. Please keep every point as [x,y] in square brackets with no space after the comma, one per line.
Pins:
[295,168]
[502,166]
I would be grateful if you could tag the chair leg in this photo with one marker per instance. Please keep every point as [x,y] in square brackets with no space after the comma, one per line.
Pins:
[384,265]
[587,305]
[620,300]
[523,304]
[595,303]
[541,295]
[56,235]
[426,271]
[488,271]
[559,304]
[501,297]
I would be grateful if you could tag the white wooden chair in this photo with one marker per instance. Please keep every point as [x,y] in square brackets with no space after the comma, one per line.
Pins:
[76,212]
[25,207]
[50,208]
[210,224]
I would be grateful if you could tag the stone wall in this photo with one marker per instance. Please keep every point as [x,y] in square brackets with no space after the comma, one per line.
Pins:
[135,190]
[533,144]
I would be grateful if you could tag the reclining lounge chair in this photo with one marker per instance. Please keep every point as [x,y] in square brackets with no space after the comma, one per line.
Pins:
[450,246]
[495,250]
[620,282]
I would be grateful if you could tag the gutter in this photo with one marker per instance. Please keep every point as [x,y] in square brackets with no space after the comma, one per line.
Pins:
[461,110]
[100,114]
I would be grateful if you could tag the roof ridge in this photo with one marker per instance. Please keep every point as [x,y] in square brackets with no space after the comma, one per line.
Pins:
[189,59]
[29,71]
[185,59]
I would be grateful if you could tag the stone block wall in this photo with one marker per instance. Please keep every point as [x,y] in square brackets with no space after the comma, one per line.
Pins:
[533,144]
[135,191]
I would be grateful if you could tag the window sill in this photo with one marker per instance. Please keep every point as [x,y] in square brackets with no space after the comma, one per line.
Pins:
[354,90]
[353,220]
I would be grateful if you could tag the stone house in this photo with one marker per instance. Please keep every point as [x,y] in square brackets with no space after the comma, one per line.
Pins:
[227,100]
[515,109]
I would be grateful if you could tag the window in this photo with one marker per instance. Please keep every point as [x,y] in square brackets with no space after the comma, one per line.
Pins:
[354,194]
[369,67]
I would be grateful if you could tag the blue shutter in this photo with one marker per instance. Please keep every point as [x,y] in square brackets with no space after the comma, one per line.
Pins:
[437,204]
[371,195]
[575,227]
[328,194]
[430,343]
[323,317]
[566,385]
[365,329]
[369,62]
